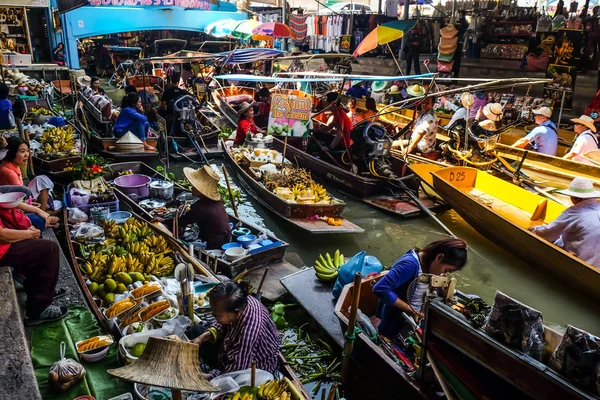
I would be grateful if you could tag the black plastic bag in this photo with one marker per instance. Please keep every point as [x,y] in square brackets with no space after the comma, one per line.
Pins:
[577,357]
[516,325]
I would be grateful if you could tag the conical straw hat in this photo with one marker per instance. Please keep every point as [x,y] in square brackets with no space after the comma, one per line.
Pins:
[204,180]
[129,138]
[167,363]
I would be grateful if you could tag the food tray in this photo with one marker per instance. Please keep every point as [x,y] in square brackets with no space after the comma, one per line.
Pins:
[139,312]
[125,312]
[95,349]
[135,292]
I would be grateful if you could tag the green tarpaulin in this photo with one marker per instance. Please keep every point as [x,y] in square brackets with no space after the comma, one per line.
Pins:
[80,324]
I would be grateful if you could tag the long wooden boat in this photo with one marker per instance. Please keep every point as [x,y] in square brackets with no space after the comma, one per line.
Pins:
[63,89]
[203,136]
[471,362]
[227,97]
[374,191]
[60,169]
[502,212]
[297,214]
[230,269]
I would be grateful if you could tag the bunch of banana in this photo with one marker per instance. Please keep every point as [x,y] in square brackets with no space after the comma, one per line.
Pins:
[116,250]
[157,244]
[95,265]
[143,232]
[273,390]
[297,189]
[160,265]
[320,193]
[110,241]
[245,396]
[133,264]
[56,140]
[326,268]
[137,248]
[126,235]
[116,264]
[145,259]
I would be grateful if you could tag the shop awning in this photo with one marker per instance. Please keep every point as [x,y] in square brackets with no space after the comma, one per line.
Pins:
[182,57]
[357,77]
[238,56]
[121,49]
[271,79]
[243,56]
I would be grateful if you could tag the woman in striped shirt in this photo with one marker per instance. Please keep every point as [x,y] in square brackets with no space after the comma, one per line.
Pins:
[244,331]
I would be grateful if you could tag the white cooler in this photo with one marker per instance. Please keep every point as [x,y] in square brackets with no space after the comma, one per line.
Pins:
[17,60]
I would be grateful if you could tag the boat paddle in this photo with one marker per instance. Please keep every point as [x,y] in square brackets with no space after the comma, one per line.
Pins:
[233,205]
[260,286]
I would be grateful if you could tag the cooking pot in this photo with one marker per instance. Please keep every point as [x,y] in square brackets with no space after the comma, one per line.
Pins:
[161,189]
[134,186]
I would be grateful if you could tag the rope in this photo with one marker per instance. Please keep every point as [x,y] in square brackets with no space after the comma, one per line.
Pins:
[351,337]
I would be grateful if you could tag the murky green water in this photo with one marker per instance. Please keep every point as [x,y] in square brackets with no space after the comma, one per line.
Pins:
[489,268]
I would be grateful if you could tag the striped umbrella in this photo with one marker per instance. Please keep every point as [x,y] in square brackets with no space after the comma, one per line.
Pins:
[270,30]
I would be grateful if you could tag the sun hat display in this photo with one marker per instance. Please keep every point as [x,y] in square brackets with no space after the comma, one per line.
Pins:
[378,86]
[467,100]
[167,363]
[582,188]
[586,121]
[394,90]
[448,45]
[204,180]
[545,111]
[493,111]
[416,90]
[445,57]
[84,80]
[449,31]
[243,108]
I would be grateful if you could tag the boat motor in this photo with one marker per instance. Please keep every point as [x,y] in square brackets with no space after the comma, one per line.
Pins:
[374,146]
[185,108]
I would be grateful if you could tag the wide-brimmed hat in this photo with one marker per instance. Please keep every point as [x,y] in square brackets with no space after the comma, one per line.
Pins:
[449,31]
[378,86]
[448,45]
[488,125]
[467,100]
[204,180]
[243,108]
[84,80]
[586,121]
[582,188]
[545,111]
[415,90]
[394,89]
[167,363]
[493,111]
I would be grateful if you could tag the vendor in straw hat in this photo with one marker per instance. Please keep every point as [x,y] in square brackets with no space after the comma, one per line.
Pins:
[586,139]
[244,332]
[543,138]
[208,211]
[246,123]
[577,229]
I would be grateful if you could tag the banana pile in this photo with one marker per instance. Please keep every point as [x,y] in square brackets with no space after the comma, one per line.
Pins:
[326,268]
[131,248]
[305,194]
[58,140]
[273,390]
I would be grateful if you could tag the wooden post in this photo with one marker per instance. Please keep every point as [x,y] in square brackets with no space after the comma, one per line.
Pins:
[230,193]
[262,282]
[253,375]
[349,341]
[283,153]
[176,394]
[332,391]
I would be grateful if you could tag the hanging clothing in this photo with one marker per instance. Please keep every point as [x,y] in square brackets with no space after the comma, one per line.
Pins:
[391,8]
[299,26]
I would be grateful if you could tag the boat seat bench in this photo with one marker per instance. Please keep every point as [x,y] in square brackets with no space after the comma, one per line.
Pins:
[18,377]
[508,211]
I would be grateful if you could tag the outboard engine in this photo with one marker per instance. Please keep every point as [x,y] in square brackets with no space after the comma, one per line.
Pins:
[373,146]
[185,108]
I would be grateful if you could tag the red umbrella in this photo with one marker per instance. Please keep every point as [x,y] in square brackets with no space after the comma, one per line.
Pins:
[271,30]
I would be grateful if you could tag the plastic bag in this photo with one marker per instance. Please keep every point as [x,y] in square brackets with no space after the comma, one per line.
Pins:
[177,326]
[347,271]
[65,372]
[366,326]
[87,232]
[516,325]
[76,216]
[79,197]
[577,357]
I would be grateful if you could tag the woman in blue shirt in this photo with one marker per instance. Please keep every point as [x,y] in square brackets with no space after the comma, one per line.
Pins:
[441,257]
[132,120]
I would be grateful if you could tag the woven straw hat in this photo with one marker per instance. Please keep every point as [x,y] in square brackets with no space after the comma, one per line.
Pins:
[378,86]
[167,363]
[204,180]
[586,121]
[488,125]
[415,90]
[493,111]
[467,100]
[243,108]
[581,188]
[394,90]
[84,80]
[449,31]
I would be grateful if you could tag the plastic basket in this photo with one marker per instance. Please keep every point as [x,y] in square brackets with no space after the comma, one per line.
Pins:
[112,205]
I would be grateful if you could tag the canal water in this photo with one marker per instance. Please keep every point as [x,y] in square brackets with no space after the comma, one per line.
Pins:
[489,267]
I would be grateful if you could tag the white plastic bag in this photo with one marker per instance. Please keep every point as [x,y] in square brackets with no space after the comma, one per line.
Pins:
[65,372]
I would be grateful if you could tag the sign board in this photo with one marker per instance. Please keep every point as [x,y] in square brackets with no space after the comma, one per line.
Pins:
[193,4]
[289,115]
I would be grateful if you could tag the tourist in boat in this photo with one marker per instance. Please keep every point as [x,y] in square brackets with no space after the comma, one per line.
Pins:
[358,91]
[131,119]
[543,138]
[479,102]
[586,140]
[37,259]
[262,102]
[492,112]
[440,257]
[352,113]
[95,85]
[7,119]
[335,135]
[41,186]
[577,229]
[244,332]
[208,212]
[371,111]
[246,123]
[423,137]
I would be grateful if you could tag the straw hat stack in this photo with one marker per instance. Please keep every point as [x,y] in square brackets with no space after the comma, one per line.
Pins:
[448,43]
[129,143]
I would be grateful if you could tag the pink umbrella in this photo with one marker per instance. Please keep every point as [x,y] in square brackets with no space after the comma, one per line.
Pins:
[271,30]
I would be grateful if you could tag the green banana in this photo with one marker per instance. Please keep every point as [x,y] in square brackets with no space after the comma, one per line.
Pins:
[336,258]
[323,269]
[327,278]
[329,260]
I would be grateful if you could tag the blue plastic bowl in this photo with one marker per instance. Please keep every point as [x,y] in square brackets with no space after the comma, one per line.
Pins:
[246,240]
[120,217]
[230,245]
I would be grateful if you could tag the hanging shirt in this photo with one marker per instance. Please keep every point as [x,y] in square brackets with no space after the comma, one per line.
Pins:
[544,138]
[576,230]
[391,8]
[585,143]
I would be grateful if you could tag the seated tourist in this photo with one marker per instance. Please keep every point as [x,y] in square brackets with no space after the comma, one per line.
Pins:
[95,85]
[586,140]
[577,229]
[543,138]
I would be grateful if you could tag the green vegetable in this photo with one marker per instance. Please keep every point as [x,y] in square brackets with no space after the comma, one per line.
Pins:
[224,192]
[278,314]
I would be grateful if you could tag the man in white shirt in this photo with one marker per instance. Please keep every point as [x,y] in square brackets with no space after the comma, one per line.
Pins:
[543,138]
[586,140]
[577,229]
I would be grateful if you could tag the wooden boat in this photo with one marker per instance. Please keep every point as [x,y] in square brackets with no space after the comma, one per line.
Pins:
[106,148]
[228,96]
[230,269]
[471,362]
[374,191]
[502,212]
[297,214]
[62,88]
[201,135]
[59,169]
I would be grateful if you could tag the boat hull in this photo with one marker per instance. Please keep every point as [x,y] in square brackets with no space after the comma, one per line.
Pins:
[494,226]
[56,168]
[105,147]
